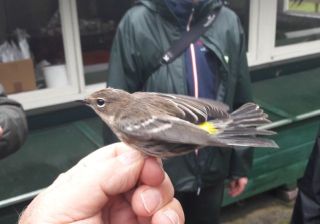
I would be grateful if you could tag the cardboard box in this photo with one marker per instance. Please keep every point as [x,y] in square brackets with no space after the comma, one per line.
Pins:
[95,57]
[17,76]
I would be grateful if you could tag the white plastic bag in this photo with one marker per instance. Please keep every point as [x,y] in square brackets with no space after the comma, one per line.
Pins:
[23,43]
[11,51]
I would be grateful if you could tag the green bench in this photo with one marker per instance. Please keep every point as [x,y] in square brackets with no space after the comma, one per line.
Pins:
[293,104]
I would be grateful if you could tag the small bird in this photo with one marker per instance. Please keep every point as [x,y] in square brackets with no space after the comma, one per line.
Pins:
[167,125]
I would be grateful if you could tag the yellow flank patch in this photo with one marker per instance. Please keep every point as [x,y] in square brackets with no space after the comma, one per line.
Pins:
[208,127]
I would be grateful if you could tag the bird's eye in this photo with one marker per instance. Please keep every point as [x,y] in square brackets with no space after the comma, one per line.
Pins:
[101,102]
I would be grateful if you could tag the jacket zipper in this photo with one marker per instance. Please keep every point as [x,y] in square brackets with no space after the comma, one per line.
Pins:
[223,69]
[193,60]
[195,83]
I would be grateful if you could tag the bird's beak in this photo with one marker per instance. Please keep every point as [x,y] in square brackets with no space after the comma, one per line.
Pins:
[82,101]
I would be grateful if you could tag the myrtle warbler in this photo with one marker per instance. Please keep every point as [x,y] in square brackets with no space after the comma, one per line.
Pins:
[166,125]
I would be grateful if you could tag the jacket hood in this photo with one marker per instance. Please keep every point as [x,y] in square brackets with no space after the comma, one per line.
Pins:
[163,8]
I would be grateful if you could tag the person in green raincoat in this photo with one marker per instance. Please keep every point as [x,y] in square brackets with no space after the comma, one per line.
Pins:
[214,67]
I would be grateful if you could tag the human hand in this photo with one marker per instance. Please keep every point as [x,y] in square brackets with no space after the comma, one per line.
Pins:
[115,184]
[237,186]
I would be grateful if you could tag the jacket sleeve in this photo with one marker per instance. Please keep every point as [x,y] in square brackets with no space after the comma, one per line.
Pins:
[124,71]
[125,62]
[241,159]
[13,123]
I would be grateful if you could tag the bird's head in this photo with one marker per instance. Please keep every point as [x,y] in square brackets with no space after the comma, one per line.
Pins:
[108,102]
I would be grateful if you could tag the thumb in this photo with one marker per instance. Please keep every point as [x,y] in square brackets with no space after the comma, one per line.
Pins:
[87,187]
[122,172]
[113,169]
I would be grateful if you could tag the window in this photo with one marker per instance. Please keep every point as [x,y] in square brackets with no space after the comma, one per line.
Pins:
[52,71]
[98,20]
[283,32]
[297,22]
[32,52]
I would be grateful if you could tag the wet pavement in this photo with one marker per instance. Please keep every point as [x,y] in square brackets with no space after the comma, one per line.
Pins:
[265,208]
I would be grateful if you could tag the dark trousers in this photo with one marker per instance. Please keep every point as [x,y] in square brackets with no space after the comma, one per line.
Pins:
[203,208]
[307,207]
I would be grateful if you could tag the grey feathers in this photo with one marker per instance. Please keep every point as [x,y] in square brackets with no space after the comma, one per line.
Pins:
[194,110]
[165,125]
[241,129]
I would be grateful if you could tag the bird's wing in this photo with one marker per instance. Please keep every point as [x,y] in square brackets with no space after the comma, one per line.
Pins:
[166,128]
[195,110]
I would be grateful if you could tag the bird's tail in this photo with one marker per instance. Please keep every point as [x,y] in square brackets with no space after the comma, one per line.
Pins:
[241,129]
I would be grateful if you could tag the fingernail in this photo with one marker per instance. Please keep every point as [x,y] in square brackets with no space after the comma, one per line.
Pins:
[151,199]
[171,217]
[130,157]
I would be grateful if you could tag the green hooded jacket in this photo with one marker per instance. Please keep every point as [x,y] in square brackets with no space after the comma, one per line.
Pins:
[144,33]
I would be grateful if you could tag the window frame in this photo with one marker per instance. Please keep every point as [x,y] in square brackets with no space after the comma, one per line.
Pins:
[267,51]
[52,96]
